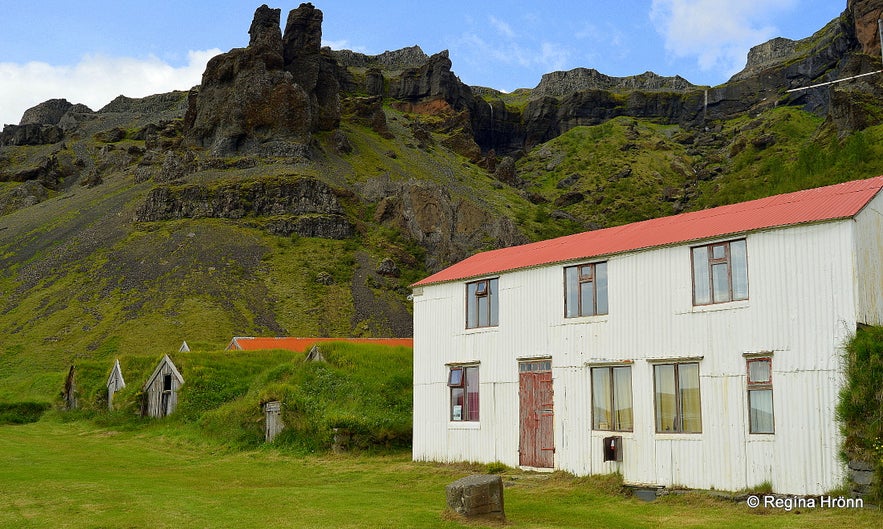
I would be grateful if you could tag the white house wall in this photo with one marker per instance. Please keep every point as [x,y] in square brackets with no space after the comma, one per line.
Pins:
[801,310]
[869,256]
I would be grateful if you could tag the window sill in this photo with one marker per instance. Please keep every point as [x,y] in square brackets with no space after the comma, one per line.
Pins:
[464,425]
[481,330]
[678,436]
[583,320]
[729,305]
[761,437]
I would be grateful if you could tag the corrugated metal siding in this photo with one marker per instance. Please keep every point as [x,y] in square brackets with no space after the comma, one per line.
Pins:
[868,268]
[801,309]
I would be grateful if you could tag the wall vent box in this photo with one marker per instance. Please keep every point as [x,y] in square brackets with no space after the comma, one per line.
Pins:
[613,448]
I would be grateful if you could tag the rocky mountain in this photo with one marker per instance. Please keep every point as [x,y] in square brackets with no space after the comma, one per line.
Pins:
[300,190]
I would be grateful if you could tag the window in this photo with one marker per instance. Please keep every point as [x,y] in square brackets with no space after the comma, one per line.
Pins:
[585,290]
[677,398]
[482,307]
[720,272]
[463,381]
[612,398]
[760,395]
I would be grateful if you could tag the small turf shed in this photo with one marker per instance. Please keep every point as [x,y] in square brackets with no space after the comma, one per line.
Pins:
[161,389]
[115,382]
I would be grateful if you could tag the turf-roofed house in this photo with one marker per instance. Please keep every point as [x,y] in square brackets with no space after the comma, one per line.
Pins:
[701,350]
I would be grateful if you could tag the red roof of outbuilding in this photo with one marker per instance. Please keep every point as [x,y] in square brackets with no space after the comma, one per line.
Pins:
[300,345]
[833,202]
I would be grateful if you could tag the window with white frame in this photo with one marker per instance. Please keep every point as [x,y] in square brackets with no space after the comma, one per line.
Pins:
[482,303]
[463,384]
[612,398]
[720,272]
[760,395]
[585,290]
[676,396]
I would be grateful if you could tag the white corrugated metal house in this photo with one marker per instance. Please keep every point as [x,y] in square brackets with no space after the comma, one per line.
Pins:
[706,347]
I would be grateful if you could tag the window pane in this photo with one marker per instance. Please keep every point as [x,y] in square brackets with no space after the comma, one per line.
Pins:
[721,280]
[471,394]
[571,292]
[666,407]
[494,302]
[622,398]
[701,293]
[759,371]
[457,404]
[601,405]
[482,304]
[601,287]
[739,266]
[718,251]
[455,377]
[688,381]
[587,298]
[760,410]
[471,306]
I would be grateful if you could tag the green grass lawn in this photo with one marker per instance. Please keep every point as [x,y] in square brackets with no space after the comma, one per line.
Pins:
[75,475]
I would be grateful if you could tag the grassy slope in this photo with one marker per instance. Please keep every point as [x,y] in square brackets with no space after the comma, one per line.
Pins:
[364,388]
[73,475]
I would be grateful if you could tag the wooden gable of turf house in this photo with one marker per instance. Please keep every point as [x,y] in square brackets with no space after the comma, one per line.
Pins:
[161,389]
[115,382]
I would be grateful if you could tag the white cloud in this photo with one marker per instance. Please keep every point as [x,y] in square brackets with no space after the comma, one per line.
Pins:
[502,28]
[718,34]
[536,58]
[94,81]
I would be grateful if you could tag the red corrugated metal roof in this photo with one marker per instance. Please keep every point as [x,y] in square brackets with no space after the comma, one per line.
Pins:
[812,205]
[300,345]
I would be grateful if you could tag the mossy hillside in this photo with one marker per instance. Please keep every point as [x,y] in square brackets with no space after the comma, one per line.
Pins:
[363,388]
[627,170]
[618,172]
[199,280]
[860,406]
[788,150]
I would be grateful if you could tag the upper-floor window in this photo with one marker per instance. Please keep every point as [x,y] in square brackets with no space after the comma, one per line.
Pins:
[482,303]
[585,290]
[720,272]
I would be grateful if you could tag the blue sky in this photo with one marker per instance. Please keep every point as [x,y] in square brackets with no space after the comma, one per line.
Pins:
[90,51]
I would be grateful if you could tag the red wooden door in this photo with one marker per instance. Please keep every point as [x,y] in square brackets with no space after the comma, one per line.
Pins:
[537,440]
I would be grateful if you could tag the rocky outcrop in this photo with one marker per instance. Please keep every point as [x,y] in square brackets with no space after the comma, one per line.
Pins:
[50,112]
[449,227]
[560,84]
[173,103]
[864,14]
[30,134]
[432,80]
[389,61]
[766,55]
[282,199]
[312,68]
[268,97]
[25,195]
